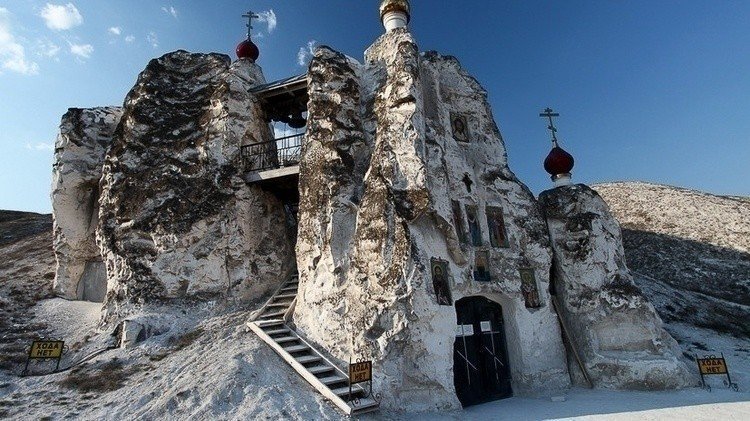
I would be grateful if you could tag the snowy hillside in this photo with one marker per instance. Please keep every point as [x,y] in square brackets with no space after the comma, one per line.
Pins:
[690,252]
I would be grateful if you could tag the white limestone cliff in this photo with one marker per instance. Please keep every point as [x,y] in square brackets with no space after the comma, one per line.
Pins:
[617,332]
[177,220]
[381,171]
[85,135]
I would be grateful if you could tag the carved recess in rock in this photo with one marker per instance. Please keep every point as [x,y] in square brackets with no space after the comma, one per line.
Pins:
[177,220]
[617,331]
[379,174]
[85,135]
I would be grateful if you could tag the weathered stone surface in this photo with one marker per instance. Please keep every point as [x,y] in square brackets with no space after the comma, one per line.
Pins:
[617,331]
[85,135]
[380,170]
[177,220]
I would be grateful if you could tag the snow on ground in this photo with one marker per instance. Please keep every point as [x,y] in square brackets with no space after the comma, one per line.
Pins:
[203,364]
[720,403]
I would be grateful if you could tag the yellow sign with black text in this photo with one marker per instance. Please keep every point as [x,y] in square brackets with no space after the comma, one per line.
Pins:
[712,366]
[46,349]
[360,372]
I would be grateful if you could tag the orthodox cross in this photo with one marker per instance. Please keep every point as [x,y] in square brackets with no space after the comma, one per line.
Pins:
[250,16]
[549,114]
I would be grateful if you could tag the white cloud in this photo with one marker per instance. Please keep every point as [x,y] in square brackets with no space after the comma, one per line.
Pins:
[269,17]
[40,147]
[170,11]
[305,53]
[152,39]
[46,48]
[82,50]
[129,38]
[115,30]
[12,54]
[59,17]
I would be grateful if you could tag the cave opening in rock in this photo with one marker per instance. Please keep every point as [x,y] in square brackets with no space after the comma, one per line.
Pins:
[480,359]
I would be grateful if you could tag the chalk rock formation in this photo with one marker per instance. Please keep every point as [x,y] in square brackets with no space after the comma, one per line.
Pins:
[386,179]
[616,330]
[177,220]
[85,135]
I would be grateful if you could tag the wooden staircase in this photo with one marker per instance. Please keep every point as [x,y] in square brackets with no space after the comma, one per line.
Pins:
[270,323]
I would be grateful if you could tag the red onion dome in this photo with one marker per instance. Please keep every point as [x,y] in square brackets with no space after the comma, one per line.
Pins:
[248,49]
[558,161]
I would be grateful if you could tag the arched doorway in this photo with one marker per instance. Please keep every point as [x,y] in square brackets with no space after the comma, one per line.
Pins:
[480,360]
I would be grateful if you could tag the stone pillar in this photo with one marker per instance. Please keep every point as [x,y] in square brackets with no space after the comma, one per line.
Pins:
[615,329]
[85,135]
[381,170]
[177,218]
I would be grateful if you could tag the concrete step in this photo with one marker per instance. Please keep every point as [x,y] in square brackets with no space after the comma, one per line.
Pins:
[308,359]
[272,315]
[278,305]
[269,324]
[330,380]
[365,405]
[273,332]
[289,289]
[343,391]
[285,339]
[321,369]
[295,348]
[285,296]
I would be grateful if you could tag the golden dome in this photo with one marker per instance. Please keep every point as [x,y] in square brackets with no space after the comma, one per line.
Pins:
[395,6]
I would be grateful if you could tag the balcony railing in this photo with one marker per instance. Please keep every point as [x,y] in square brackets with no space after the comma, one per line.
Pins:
[277,153]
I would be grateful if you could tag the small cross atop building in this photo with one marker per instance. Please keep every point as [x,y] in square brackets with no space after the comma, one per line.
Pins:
[549,114]
[250,15]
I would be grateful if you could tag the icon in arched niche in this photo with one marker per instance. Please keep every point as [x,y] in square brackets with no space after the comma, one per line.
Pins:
[496,226]
[529,288]
[458,221]
[440,282]
[460,127]
[481,266]
[474,229]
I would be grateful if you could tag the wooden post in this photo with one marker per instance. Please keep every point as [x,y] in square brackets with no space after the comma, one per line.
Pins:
[571,343]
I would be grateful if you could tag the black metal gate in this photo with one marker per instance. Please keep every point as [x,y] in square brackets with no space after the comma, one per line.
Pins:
[480,359]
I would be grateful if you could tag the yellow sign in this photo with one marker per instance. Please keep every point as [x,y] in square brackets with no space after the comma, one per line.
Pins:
[360,372]
[46,349]
[712,365]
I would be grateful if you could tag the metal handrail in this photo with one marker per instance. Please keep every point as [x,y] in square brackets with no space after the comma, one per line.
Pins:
[278,153]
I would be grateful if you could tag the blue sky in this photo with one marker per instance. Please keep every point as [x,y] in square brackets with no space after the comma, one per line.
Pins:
[648,90]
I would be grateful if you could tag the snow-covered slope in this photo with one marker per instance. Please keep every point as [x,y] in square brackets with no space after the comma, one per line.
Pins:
[690,251]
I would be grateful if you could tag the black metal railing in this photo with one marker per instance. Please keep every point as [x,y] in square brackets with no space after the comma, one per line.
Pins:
[278,153]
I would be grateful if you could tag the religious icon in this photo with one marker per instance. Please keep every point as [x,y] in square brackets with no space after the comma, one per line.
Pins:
[481,266]
[529,288]
[458,221]
[474,229]
[440,282]
[460,127]
[496,226]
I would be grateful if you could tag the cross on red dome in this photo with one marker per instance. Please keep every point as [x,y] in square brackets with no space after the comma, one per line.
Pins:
[558,163]
[247,48]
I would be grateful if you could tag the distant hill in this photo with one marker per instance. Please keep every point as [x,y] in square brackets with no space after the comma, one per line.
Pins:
[15,225]
[690,251]
[27,268]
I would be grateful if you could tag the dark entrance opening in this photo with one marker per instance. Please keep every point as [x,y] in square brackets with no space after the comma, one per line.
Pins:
[480,358]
